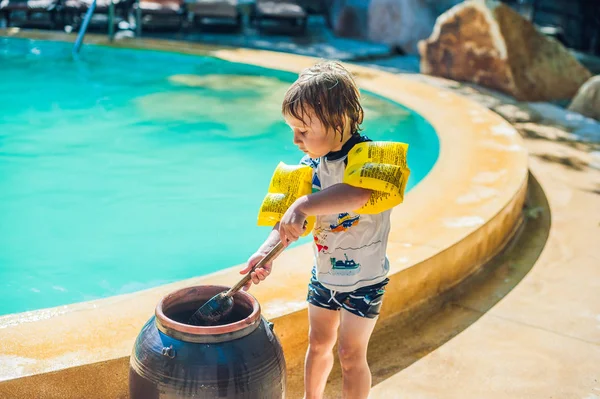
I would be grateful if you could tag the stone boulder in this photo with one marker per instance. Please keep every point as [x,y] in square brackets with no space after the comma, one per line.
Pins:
[403,23]
[488,43]
[587,99]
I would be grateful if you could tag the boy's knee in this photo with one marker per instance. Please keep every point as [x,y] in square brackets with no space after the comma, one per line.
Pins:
[320,343]
[351,357]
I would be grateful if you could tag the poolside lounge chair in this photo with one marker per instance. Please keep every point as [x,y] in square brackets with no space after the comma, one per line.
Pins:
[161,12]
[215,9]
[76,8]
[280,10]
[29,7]
[575,23]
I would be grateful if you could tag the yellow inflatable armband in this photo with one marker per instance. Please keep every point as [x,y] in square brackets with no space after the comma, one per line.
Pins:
[289,182]
[379,166]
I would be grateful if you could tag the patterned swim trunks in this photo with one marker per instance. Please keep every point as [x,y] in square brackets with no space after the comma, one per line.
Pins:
[363,302]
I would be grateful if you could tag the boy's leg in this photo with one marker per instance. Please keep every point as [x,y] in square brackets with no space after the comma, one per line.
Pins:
[355,332]
[319,357]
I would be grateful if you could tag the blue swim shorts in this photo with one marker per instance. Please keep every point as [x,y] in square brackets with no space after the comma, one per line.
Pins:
[363,302]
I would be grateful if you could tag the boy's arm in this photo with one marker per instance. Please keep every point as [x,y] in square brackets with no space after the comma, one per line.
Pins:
[261,273]
[271,240]
[338,198]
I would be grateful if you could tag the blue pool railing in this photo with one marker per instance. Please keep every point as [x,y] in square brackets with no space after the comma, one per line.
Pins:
[88,18]
[83,29]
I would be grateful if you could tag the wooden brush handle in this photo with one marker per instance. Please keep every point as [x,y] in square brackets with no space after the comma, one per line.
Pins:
[273,253]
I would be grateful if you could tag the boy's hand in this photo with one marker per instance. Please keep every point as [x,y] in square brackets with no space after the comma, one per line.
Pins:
[291,225]
[259,274]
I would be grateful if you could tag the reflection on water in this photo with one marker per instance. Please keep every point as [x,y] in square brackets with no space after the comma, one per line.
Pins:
[215,98]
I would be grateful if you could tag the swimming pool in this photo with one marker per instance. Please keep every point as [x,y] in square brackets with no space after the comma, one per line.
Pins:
[128,169]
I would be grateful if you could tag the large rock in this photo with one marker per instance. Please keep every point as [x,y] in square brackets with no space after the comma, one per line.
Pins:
[488,43]
[403,23]
[587,100]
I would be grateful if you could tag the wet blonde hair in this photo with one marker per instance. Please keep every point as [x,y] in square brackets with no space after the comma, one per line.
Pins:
[329,90]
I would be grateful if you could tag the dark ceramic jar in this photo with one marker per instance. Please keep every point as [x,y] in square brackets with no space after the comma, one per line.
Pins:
[240,358]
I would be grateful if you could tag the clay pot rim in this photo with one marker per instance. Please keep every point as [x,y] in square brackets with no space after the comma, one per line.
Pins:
[178,296]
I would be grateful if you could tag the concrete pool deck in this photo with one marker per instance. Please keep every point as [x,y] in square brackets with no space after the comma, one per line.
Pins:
[82,350]
[542,339]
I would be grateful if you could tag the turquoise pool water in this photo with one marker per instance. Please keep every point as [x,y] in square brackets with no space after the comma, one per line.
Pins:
[127,169]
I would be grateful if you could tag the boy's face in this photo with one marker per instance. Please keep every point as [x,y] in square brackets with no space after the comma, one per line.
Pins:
[312,137]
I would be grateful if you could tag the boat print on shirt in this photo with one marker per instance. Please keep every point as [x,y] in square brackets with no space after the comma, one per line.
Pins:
[344,222]
[348,264]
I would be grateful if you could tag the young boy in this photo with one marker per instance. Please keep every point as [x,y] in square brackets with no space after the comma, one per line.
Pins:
[323,110]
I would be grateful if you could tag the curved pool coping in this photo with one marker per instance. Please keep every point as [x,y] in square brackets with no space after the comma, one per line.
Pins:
[459,216]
